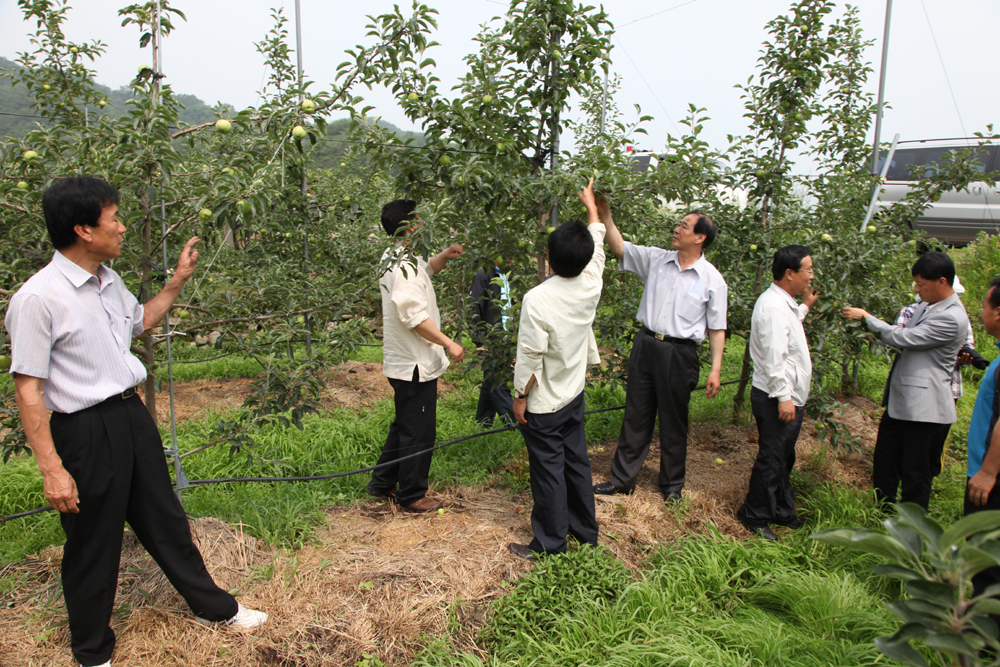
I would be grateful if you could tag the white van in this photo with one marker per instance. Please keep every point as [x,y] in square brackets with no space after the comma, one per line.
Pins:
[958,216]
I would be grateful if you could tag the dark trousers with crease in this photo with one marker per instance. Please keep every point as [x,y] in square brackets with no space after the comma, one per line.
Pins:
[413,429]
[114,453]
[561,483]
[661,377]
[770,496]
[907,457]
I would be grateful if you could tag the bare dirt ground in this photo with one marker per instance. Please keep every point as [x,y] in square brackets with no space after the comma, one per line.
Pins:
[377,580]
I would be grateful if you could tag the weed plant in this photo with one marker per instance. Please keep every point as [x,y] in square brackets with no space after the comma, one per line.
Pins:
[559,586]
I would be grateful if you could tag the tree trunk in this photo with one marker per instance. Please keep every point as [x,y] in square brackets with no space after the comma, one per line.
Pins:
[746,368]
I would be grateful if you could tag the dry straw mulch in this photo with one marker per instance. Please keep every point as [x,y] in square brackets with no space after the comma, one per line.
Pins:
[379,581]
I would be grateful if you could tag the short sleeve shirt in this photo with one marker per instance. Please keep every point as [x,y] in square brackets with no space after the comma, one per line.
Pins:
[74,330]
[982,413]
[682,303]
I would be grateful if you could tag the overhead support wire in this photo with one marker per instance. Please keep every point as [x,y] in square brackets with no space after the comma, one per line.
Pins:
[944,69]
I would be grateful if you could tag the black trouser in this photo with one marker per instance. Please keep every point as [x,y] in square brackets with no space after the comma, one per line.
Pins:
[991,575]
[661,377]
[907,453]
[561,484]
[770,496]
[413,429]
[114,453]
[495,401]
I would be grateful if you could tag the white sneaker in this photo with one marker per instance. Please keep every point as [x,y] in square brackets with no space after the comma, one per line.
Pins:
[106,664]
[245,619]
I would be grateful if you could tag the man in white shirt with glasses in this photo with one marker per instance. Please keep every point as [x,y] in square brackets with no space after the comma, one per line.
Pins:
[782,372]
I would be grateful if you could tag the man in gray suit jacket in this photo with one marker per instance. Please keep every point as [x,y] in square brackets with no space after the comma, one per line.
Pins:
[921,409]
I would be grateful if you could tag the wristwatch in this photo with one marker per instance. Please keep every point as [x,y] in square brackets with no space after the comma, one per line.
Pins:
[522,396]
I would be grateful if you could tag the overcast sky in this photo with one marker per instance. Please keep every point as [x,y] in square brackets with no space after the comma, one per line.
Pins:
[669,53]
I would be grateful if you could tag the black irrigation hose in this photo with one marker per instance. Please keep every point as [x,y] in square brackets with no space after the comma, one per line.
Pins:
[310,478]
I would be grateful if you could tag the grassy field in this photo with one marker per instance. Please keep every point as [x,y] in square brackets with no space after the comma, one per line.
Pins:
[705,600]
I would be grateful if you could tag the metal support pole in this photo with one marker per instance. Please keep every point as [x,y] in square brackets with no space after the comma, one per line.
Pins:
[878,186]
[173,450]
[881,85]
[305,184]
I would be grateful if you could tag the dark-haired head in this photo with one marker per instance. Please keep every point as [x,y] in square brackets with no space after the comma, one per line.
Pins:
[73,201]
[395,213]
[570,249]
[704,225]
[932,266]
[789,257]
[993,294]
[991,308]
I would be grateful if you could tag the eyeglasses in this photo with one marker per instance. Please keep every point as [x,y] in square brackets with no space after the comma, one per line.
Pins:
[809,271]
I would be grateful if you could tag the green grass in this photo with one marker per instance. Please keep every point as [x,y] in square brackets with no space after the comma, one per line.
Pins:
[706,601]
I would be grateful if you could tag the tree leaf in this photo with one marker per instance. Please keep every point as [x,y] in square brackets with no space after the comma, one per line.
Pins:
[897,572]
[949,641]
[933,592]
[915,515]
[987,606]
[908,536]
[979,522]
[900,652]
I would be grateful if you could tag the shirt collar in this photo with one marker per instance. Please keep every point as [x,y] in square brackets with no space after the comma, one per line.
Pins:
[700,267]
[76,274]
[788,297]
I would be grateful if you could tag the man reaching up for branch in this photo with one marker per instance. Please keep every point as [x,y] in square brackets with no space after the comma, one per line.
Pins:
[413,359]
[555,343]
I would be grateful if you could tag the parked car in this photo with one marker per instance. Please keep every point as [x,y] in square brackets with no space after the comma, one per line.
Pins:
[959,215]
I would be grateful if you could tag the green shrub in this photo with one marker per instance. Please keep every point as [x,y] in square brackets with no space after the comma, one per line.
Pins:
[976,267]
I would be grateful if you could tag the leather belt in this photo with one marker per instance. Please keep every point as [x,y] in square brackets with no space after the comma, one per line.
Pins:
[669,339]
[128,393]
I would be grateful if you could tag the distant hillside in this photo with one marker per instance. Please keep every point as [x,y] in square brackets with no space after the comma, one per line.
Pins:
[15,104]
[15,100]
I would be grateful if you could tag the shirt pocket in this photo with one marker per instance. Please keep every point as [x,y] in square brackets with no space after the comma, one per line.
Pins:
[692,307]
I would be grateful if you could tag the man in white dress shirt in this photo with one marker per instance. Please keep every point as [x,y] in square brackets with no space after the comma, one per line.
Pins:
[413,358]
[684,299]
[71,327]
[555,343]
[782,371]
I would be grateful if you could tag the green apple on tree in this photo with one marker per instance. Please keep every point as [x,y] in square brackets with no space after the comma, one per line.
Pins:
[299,132]
[30,155]
[223,125]
[22,185]
[308,105]
[205,214]
[5,362]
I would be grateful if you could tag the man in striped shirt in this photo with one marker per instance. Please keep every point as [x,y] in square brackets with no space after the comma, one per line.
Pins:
[71,327]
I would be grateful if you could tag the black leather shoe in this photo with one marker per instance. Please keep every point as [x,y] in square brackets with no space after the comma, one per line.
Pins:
[381,493]
[757,529]
[609,488]
[522,551]
[794,524]
[671,498]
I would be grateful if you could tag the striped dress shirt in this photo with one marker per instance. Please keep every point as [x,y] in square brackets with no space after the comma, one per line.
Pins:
[74,330]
